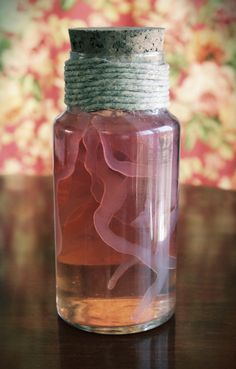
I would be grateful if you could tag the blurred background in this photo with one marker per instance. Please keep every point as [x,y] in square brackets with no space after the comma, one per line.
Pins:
[200,46]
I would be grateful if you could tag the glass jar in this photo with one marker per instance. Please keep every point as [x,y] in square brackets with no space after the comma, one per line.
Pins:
[116,153]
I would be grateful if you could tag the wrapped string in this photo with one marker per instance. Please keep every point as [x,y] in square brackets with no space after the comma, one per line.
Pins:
[139,82]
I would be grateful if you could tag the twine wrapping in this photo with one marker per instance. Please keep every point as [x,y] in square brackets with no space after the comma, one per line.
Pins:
[139,82]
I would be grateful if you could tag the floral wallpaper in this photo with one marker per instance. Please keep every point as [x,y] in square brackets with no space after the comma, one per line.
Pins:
[200,48]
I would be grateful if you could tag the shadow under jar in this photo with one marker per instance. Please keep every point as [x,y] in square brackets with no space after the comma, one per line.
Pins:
[116,153]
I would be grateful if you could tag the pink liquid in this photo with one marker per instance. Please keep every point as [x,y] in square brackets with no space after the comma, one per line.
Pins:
[116,177]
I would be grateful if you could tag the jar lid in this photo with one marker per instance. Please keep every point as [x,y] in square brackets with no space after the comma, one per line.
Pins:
[116,68]
[116,40]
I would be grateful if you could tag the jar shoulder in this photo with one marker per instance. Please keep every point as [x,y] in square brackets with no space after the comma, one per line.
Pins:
[116,122]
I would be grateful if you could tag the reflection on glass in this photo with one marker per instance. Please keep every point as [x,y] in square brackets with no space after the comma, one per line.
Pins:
[116,176]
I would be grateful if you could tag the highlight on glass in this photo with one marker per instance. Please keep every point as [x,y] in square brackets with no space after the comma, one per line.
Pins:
[116,157]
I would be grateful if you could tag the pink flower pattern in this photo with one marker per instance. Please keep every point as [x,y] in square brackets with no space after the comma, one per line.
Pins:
[201,51]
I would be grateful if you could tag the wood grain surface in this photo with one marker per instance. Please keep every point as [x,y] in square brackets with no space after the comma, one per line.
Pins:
[201,335]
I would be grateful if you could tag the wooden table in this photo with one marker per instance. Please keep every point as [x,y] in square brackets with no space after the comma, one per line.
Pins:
[201,335]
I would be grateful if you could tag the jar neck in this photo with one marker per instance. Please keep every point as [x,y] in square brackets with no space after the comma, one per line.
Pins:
[135,82]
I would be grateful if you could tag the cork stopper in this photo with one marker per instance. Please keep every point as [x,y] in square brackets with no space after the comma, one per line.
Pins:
[116,40]
[116,68]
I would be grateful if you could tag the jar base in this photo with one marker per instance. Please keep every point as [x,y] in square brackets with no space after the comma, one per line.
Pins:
[136,328]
